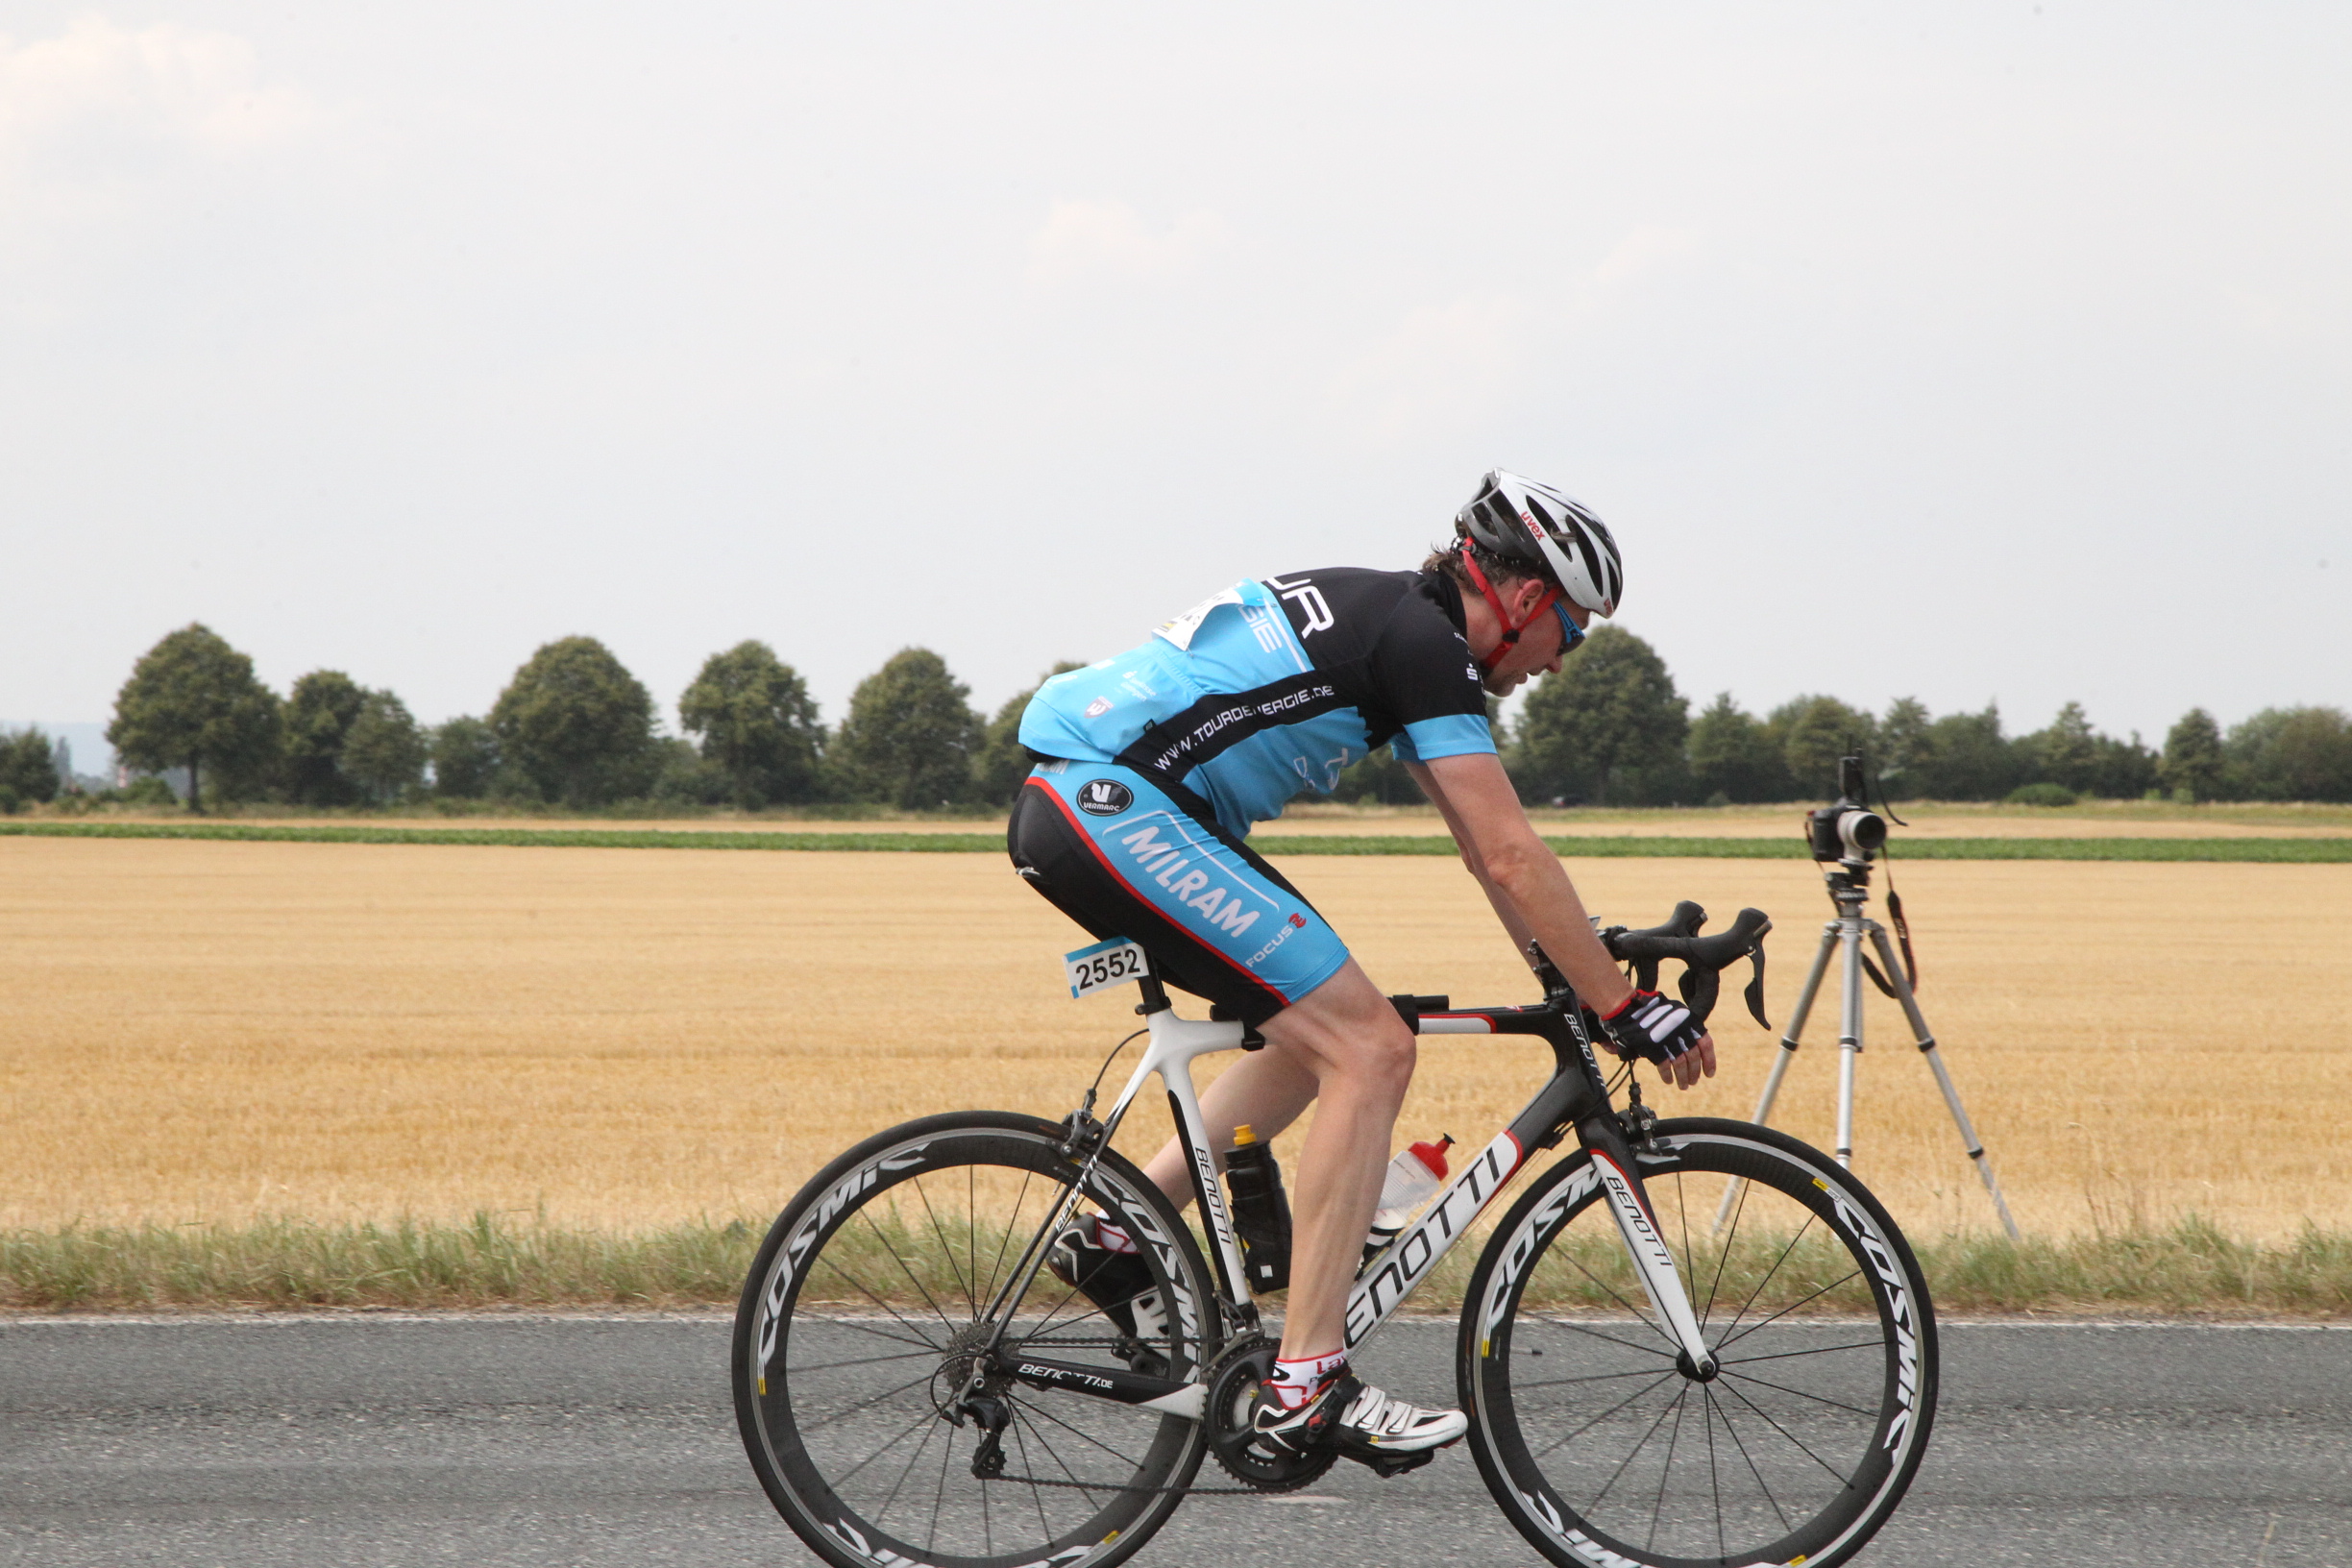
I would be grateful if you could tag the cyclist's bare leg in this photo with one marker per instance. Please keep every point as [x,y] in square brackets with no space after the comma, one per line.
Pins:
[1344,1044]
[1264,1090]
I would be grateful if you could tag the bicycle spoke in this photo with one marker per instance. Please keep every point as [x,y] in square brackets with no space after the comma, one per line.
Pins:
[1634,1452]
[1706,1411]
[1795,1441]
[1769,1274]
[1820,1399]
[1590,1376]
[1630,1310]
[1038,1411]
[1784,1355]
[1020,1200]
[1037,1494]
[1085,1489]
[1723,1258]
[866,1361]
[1762,1485]
[884,1510]
[862,1327]
[1610,1339]
[857,1284]
[919,1290]
[1766,1322]
[866,1404]
[1666,1471]
[946,1247]
[927,1416]
[1571,1437]
[939,1499]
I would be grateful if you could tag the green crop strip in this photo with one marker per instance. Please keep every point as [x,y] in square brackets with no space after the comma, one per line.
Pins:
[2259,851]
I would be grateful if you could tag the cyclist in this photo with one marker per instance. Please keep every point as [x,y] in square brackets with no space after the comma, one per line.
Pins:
[1156,763]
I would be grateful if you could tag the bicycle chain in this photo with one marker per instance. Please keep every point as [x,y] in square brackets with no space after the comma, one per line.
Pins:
[1091,1486]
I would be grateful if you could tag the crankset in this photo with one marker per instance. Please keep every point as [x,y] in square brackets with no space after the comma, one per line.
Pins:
[1231,1413]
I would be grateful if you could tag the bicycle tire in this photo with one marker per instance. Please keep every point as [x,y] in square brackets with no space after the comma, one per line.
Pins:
[856,1325]
[1602,1450]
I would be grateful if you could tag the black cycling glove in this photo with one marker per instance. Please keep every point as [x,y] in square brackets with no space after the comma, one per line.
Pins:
[1649,1025]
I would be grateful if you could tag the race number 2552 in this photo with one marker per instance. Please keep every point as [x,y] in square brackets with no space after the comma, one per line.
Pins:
[1117,962]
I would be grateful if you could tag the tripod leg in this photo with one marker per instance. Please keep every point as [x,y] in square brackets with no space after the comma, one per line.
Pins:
[1788,1050]
[1797,1024]
[1935,1060]
[1850,1036]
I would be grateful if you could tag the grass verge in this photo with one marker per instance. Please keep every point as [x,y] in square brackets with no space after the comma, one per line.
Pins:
[2191,1269]
[2332,851]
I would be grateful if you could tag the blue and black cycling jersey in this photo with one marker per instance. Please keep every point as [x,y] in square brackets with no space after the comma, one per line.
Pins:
[1268,690]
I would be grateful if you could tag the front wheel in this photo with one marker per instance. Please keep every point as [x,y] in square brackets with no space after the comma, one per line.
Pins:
[1602,1443]
[882,1330]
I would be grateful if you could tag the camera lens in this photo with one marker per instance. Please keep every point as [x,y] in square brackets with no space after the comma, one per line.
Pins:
[1863,832]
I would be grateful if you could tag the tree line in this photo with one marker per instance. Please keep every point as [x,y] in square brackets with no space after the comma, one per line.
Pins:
[573,727]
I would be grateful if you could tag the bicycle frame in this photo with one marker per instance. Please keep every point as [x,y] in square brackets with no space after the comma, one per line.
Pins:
[1574,1098]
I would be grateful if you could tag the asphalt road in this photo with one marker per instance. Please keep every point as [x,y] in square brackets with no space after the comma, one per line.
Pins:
[375,1439]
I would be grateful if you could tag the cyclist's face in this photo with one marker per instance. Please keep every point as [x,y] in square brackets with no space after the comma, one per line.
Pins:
[1539,649]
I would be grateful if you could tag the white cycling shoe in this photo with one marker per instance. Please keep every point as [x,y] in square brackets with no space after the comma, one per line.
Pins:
[1359,1421]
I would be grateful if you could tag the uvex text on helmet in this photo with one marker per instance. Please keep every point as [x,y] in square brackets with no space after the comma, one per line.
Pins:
[1553,536]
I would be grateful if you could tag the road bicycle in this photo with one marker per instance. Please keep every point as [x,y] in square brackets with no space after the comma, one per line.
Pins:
[914,1386]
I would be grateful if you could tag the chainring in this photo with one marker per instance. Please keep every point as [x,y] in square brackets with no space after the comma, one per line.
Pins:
[1230,1411]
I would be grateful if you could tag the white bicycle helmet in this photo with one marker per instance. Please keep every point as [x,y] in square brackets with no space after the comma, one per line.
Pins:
[1537,527]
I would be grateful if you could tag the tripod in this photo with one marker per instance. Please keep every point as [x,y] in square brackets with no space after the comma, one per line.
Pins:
[1849,882]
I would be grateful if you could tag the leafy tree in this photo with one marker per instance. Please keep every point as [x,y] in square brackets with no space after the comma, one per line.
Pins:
[1967,758]
[910,737]
[578,725]
[689,777]
[1732,755]
[192,702]
[465,759]
[1001,764]
[1903,747]
[2293,754]
[2193,760]
[384,752]
[1378,779]
[2122,769]
[28,768]
[2063,754]
[318,716]
[757,724]
[1607,726]
[1814,732]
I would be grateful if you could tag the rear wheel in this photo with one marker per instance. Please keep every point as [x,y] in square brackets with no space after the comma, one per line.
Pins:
[869,1311]
[1601,1443]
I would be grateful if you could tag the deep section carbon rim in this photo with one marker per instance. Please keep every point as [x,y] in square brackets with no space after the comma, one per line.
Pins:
[1594,1435]
[867,1312]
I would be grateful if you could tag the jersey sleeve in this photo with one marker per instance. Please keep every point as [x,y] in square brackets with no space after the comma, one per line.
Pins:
[1456,735]
[1430,684]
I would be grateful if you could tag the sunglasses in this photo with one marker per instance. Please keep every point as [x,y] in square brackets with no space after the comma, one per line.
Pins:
[1571,635]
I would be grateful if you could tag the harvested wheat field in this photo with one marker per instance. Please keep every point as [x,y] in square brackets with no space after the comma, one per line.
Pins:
[220,1031]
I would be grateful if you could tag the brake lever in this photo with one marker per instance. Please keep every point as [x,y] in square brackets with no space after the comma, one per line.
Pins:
[1754,993]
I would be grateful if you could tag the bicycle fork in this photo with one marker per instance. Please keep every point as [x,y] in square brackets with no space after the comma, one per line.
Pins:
[1629,1199]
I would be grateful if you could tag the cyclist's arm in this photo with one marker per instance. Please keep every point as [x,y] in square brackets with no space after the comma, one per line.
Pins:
[1523,878]
[1504,910]
[1529,887]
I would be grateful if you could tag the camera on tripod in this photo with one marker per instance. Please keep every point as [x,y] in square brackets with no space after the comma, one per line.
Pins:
[1846,829]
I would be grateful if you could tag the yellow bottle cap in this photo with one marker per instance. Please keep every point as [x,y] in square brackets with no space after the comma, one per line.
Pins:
[1242,1135]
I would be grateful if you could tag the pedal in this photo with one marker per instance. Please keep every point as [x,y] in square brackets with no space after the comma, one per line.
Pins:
[1389,1466]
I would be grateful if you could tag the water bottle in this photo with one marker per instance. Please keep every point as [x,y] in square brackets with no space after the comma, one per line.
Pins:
[1413,1180]
[1260,1212]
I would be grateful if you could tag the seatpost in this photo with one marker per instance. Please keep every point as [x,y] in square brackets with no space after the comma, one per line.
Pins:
[1155,995]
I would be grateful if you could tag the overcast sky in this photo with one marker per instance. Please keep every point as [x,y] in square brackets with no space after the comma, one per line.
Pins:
[1987,352]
